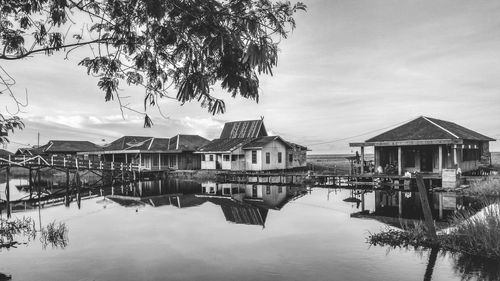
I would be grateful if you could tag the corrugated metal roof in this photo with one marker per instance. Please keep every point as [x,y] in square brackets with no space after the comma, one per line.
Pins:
[244,129]
[262,141]
[62,146]
[425,128]
[223,145]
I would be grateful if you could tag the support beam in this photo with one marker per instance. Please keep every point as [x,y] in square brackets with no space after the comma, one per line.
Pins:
[362,160]
[400,161]
[440,158]
[455,152]
[7,190]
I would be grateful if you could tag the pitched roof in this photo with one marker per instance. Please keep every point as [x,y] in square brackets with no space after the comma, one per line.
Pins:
[4,152]
[262,141]
[425,128]
[55,146]
[142,143]
[244,129]
[187,142]
[241,213]
[223,145]
[130,142]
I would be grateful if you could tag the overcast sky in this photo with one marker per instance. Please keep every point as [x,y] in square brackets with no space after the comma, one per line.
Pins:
[349,69]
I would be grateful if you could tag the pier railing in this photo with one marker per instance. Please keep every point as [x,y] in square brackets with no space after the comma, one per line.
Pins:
[66,162]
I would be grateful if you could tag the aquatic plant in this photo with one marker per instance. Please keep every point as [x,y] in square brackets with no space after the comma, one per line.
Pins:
[10,229]
[473,234]
[55,235]
[488,187]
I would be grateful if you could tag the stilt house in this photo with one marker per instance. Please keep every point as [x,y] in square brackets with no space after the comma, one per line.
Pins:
[154,154]
[245,145]
[428,145]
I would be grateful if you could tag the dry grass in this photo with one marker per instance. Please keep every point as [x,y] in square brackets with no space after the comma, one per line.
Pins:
[474,234]
[489,187]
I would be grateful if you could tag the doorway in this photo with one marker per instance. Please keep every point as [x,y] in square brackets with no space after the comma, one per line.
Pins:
[426,159]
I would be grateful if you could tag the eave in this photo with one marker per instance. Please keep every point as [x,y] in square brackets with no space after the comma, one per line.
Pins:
[407,142]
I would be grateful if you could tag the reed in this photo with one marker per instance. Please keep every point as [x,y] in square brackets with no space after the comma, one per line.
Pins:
[55,235]
[489,187]
[476,234]
[11,229]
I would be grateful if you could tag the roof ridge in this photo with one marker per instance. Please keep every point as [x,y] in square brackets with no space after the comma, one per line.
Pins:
[440,127]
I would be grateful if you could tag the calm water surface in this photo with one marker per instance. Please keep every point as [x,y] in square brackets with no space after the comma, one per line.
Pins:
[172,230]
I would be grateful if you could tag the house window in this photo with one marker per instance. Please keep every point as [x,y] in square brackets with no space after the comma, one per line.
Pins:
[268,190]
[225,157]
[279,157]
[268,157]
[254,156]
[211,157]
[203,157]
[234,157]
[290,157]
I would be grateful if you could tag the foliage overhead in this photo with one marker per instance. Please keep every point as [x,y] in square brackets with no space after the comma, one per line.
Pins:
[176,49]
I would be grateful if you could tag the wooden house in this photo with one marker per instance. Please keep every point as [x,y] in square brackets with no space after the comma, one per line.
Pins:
[428,145]
[153,154]
[5,153]
[67,148]
[245,145]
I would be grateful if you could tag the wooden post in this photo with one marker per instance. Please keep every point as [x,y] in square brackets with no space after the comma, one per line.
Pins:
[362,170]
[426,208]
[67,187]
[455,151]
[77,180]
[400,162]
[7,190]
[30,183]
[440,158]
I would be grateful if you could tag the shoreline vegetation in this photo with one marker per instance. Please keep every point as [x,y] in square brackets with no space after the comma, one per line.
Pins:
[475,233]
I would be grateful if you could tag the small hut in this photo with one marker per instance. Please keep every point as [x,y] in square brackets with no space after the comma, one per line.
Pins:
[428,145]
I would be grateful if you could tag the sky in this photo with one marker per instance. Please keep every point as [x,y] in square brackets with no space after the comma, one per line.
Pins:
[349,71]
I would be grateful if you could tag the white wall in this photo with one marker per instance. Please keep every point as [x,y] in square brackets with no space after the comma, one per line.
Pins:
[248,160]
[273,148]
[207,164]
[226,165]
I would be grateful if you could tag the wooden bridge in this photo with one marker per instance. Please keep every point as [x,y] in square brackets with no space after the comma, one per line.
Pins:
[72,163]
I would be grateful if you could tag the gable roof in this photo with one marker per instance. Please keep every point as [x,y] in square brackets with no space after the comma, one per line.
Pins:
[263,141]
[60,146]
[130,142]
[4,152]
[187,142]
[224,145]
[425,128]
[244,129]
[141,143]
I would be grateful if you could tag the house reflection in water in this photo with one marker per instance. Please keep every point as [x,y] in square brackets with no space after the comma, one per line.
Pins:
[240,203]
[394,206]
[248,203]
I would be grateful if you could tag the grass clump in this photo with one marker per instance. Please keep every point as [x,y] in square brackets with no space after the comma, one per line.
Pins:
[55,235]
[10,230]
[488,187]
[474,234]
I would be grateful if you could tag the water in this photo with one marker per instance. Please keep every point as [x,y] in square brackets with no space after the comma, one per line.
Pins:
[175,230]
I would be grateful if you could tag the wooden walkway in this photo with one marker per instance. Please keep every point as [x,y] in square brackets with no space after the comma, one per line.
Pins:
[72,163]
